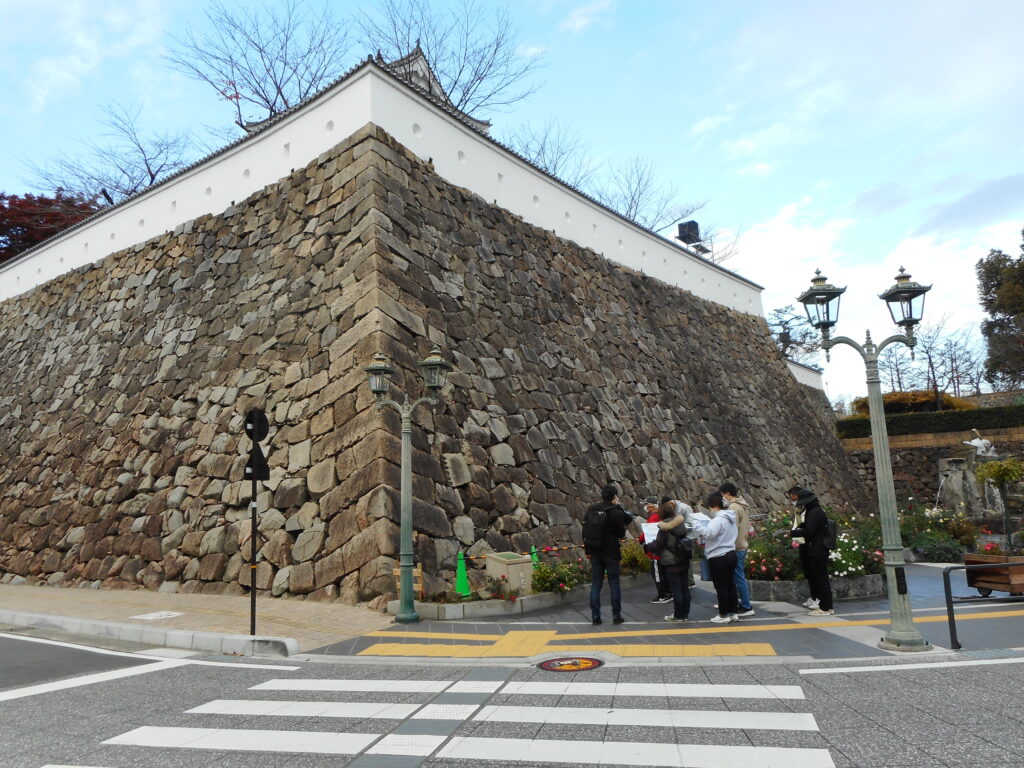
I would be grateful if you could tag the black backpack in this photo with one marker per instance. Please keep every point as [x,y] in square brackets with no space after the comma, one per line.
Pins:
[595,523]
[681,545]
[831,535]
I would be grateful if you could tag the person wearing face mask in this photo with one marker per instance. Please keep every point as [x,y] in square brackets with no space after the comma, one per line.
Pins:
[719,532]
[739,505]
[811,529]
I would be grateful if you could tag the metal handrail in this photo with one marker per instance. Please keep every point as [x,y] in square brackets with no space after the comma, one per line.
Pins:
[954,643]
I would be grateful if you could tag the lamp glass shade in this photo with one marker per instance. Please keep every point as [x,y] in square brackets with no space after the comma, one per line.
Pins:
[905,300]
[821,301]
[435,368]
[379,374]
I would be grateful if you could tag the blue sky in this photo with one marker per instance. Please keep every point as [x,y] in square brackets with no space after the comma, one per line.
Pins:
[854,138]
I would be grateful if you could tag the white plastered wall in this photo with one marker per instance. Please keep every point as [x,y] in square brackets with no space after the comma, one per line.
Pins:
[459,154]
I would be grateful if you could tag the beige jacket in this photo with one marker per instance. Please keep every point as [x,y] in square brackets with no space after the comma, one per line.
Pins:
[740,506]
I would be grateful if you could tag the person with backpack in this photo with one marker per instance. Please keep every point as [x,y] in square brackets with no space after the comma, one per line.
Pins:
[674,547]
[739,505]
[670,506]
[664,592]
[816,530]
[719,532]
[604,525]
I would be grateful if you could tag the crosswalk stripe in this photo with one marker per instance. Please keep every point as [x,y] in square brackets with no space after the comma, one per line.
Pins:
[361,710]
[690,690]
[354,686]
[316,742]
[633,753]
[665,718]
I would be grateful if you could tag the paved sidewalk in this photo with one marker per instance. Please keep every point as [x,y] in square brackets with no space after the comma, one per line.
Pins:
[220,624]
[198,617]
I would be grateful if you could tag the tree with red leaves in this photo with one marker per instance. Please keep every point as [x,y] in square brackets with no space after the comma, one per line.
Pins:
[27,220]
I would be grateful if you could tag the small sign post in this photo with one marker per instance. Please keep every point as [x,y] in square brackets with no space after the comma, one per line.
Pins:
[256,428]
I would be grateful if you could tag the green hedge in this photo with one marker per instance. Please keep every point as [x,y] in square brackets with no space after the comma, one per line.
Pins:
[942,421]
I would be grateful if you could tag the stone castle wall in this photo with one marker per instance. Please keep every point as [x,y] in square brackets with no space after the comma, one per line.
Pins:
[121,421]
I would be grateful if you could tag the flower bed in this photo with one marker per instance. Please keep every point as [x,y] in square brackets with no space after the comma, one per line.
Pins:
[792,591]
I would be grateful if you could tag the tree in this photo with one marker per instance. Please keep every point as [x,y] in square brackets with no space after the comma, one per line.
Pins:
[472,49]
[795,337]
[269,59]
[557,149]
[632,188]
[28,220]
[1001,290]
[126,164]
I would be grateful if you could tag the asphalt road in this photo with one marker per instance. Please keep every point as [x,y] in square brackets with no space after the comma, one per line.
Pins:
[871,713]
[31,661]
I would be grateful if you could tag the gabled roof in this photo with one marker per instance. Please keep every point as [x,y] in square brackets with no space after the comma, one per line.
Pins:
[414,69]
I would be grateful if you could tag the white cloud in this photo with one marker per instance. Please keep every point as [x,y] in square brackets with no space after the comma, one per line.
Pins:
[760,168]
[708,124]
[81,36]
[585,15]
[531,51]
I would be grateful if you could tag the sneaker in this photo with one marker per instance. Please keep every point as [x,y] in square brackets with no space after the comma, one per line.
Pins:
[721,619]
[821,612]
[674,618]
[618,620]
[595,622]
[715,605]
[747,613]
[810,602]
[733,617]
[660,599]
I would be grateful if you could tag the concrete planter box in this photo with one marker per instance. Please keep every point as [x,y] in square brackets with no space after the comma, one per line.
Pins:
[478,609]
[797,592]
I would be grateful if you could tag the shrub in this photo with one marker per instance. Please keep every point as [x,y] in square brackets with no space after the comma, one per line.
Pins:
[937,547]
[944,421]
[634,559]
[560,576]
[852,558]
[914,401]
[771,555]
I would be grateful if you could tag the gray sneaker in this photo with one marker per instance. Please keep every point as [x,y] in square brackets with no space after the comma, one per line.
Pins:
[747,613]
[675,618]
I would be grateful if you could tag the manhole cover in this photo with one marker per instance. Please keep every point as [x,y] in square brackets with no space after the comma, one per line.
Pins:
[570,664]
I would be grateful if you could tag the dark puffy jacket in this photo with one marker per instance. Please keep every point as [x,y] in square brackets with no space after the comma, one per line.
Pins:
[614,529]
[664,545]
[814,527]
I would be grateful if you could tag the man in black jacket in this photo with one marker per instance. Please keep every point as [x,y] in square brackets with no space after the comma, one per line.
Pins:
[814,554]
[603,550]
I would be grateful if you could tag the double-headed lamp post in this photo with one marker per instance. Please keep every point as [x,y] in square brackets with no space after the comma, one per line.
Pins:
[379,373]
[906,303]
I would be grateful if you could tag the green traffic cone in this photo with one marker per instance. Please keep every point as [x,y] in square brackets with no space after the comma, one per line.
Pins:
[461,578]
[533,554]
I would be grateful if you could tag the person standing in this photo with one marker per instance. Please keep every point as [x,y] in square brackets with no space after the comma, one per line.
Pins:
[719,532]
[675,548]
[739,505]
[664,592]
[814,555]
[604,525]
[670,506]
[798,520]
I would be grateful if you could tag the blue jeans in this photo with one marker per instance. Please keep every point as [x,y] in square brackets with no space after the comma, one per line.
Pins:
[599,565]
[680,593]
[740,577]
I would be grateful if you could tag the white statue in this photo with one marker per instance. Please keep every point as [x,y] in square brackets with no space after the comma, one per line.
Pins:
[982,447]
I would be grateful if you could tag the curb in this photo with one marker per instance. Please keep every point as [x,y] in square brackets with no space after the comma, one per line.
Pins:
[241,645]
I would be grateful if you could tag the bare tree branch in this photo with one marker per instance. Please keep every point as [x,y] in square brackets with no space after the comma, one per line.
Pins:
[558,150]
[795,337]
[126,164]
[633,189]
[471,48]
[270,59]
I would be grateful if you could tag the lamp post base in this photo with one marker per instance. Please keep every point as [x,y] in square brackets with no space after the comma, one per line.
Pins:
[890,643]
[407,618]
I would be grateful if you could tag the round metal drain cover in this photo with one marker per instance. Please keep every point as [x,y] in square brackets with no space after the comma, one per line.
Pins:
[570,664]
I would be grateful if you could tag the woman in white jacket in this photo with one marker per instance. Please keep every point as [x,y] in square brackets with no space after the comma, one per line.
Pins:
[719,532]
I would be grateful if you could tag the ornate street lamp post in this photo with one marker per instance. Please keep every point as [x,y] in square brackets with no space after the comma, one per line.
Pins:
[906,304]
[379,373]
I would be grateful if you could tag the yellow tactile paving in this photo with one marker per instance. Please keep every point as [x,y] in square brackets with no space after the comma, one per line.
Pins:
[536,647]
[524,644]
[519,643]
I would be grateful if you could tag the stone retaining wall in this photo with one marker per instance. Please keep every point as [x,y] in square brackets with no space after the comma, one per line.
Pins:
[126,383]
